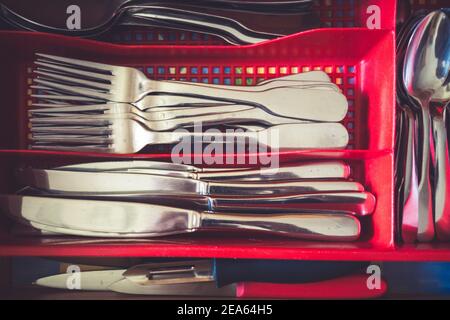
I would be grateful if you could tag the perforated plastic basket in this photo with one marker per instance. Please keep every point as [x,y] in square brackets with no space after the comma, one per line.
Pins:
[359,60]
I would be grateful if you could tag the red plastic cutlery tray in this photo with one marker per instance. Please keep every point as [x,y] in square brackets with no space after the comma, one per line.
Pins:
[359,60]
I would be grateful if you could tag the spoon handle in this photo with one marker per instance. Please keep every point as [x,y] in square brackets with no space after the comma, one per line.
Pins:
[441,175]
[426,220]
[410,190]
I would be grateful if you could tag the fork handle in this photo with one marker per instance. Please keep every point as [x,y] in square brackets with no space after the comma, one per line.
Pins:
[284,136]
[291,102]
[326,227]
[249,115]
[312,78]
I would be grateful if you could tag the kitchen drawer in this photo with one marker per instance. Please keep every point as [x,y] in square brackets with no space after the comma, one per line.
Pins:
[360,61]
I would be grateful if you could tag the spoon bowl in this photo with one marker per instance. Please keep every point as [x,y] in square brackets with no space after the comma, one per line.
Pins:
[427,58]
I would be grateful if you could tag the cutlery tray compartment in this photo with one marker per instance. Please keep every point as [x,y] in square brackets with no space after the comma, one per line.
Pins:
[377,234]
[356,71]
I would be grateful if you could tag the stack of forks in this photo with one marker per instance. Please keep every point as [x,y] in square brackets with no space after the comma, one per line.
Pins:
[89,106]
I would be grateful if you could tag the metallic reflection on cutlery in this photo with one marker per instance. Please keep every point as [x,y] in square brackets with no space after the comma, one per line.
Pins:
[73,123]
[425,71]
[309,170]
[406,166]
[126,219]
[128,85]
[126,136]
[312,79]
[107,182]
[356,203]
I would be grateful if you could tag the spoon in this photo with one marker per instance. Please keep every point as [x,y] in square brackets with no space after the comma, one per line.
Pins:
[440,100]
[408,201]
[425,72]
[441,164]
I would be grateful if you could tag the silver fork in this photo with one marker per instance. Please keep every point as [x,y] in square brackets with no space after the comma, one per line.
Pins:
[128,136]
[154,114]
[179,118]
[61,65]
[312,79]
[128,85]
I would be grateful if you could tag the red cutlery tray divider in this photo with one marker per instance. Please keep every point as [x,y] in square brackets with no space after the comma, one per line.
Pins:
[360,61]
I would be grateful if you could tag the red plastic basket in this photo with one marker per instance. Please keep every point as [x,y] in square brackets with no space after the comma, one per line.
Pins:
[370,121]
[360,61]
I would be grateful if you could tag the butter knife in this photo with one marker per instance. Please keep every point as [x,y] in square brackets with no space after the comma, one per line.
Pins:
[107,182]
[356,203]
[308,170]
[134,220]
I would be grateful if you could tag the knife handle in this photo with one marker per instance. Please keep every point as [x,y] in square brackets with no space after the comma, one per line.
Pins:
[313,170]
[357,203]
[228,271]
[349,287]
[279,187]
[325,227]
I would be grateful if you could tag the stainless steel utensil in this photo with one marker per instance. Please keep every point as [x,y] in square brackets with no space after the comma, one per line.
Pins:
[439,103]
[406,147]
[290,171]
[128,85]
[128,136]
[424,72]
[58,122]
[353,203]
[52,112]
[124,219]
[108,182]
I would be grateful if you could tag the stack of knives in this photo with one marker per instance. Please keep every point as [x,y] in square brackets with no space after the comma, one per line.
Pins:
[133,199]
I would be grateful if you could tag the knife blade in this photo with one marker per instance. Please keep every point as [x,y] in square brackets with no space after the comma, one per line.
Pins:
[107,182]
[127,219]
